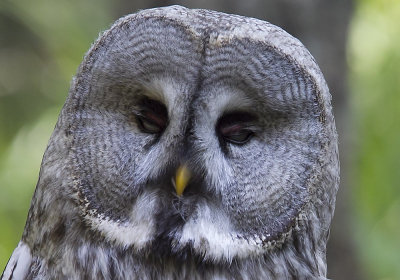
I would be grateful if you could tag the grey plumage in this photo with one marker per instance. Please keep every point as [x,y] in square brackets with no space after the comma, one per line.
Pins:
[241,103]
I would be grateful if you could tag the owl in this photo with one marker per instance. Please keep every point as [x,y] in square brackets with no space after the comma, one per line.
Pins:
[193,145]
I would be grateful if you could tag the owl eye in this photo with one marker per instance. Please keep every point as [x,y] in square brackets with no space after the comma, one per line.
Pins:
[236,134]
[236,127]
[152,117]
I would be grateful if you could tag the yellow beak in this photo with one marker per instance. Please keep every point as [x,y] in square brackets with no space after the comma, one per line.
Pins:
[182,178]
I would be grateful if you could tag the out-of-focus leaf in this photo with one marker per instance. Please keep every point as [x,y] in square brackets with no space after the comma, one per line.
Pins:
[374,60]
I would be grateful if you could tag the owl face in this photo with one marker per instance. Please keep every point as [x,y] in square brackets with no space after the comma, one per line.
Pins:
[231,100]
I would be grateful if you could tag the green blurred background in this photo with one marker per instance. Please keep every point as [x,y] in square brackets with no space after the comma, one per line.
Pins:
[42,43]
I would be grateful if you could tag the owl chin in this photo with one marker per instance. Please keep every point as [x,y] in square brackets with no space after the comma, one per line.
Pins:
[198,228]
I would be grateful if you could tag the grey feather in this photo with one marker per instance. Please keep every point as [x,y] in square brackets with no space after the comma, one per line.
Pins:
[260,208]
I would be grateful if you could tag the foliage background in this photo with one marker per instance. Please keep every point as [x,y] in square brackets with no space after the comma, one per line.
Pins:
[42,43]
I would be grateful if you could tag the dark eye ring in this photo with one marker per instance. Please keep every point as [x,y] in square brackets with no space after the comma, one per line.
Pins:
[236,127]
[236,134]
[151,116]
[239,138]
[149,126]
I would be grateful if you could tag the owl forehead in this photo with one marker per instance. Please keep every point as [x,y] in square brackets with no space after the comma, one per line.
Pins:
[177,61]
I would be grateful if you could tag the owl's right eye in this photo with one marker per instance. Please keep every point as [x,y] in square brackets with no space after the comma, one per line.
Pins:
[152,117]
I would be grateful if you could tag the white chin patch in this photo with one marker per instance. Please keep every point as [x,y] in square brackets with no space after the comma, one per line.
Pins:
[137,232]
[211,235]
[208,231]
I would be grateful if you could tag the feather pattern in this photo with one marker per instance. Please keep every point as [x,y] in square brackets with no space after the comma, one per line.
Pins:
[237,101]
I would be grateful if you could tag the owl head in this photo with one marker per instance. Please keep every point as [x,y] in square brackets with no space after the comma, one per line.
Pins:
[192,132]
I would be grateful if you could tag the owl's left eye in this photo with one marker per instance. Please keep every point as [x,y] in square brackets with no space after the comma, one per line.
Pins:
[236,134]
[236,127]
[152,117]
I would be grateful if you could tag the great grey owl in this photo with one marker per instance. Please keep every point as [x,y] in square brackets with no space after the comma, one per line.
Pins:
[193,145]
